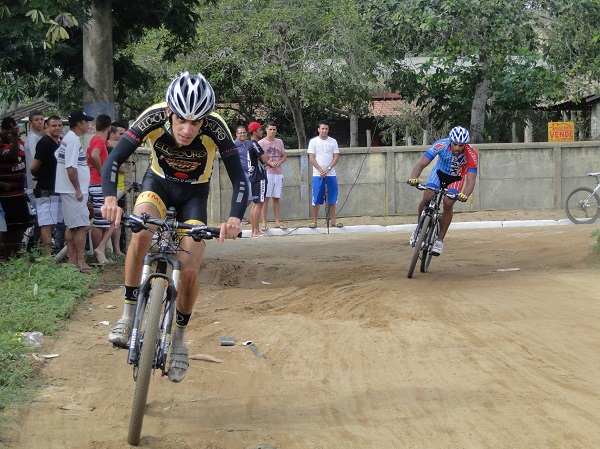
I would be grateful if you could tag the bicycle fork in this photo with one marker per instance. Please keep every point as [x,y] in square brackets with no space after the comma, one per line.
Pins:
[164,337]
[427,210]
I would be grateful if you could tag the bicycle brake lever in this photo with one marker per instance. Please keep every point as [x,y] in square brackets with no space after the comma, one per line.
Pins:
[136,224]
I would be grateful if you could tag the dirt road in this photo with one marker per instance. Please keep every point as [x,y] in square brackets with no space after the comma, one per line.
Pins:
[473,354]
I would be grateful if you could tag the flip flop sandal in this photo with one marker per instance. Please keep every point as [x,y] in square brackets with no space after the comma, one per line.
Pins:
[312,225]
[338,225]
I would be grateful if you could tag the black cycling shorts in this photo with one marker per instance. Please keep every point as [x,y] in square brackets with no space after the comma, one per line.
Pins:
[189,200]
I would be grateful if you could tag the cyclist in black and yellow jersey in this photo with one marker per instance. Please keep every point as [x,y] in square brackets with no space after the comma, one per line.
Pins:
[184,135]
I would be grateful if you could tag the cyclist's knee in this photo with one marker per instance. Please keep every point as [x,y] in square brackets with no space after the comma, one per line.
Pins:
[140,242]
[449,204]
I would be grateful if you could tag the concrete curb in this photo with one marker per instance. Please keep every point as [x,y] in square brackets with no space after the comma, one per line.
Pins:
[409,227]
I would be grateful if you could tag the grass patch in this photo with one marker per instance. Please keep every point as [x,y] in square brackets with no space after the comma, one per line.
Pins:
[596,247]
[37,296]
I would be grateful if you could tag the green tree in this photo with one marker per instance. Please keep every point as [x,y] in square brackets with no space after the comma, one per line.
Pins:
[292,54]
[573,41]
[39,46]
[34,32]
[472,47]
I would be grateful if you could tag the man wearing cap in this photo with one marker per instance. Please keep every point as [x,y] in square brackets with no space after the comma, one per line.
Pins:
[12,182]
[257,173]
[72,182]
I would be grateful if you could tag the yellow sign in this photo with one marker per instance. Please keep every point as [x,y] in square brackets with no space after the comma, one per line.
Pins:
[561,132]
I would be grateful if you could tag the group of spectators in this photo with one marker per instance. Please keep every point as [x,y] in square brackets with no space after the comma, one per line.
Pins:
[50,182]
[262,160]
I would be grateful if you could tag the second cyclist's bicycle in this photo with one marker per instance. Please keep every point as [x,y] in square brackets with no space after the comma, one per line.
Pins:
[428,228]
[583,203]
[151,330]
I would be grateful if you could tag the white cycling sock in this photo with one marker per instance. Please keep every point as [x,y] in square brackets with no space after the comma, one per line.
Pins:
[129,311]
[178,338]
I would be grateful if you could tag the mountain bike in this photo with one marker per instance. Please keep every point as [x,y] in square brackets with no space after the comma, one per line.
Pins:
[428,227]
[151,329]
[583,203]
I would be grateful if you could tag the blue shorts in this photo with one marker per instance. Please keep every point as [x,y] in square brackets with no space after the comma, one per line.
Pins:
[319,184]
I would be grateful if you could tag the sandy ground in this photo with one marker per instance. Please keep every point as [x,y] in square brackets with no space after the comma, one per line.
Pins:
[473,354]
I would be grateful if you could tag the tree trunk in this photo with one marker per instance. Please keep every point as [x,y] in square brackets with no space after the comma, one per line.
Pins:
[353,130]
[482,95]
[528,134]
[513,132]
[98,73]
[293,104]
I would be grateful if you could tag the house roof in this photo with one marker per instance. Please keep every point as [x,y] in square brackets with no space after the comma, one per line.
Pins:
[585,104]
[24,111]
[382,108]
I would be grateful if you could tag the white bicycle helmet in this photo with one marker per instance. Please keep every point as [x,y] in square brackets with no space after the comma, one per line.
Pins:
[190,96]
[459,134]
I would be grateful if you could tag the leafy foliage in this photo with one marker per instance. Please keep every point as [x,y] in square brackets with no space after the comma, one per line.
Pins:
[488,61]
[286,54]
[469,43]
[573,43]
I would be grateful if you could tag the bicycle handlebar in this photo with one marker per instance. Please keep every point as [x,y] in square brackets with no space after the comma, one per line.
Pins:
[197,232]
[452,196]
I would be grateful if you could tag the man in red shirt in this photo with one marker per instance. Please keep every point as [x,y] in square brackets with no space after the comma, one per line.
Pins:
[96,155]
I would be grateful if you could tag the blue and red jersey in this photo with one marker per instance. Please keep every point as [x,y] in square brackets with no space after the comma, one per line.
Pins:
[451,164]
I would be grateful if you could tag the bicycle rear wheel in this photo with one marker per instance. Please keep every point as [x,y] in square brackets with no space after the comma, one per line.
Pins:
[431,238]
[583,206]
[148,334]
[419,243]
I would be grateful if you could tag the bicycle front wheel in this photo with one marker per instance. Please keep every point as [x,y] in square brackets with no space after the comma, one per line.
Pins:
[431,238]
[149,333]
[583,206]
[418,245]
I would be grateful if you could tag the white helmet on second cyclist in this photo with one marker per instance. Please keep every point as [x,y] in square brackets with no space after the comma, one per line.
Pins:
[459,134]
[190,96]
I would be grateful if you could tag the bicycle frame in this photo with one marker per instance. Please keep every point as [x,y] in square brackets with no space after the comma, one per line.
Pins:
[428,227]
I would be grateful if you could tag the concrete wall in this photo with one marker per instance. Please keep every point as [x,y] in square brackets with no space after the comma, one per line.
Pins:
[373,181]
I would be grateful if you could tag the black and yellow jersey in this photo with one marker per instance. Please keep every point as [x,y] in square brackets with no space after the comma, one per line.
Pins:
[191,163]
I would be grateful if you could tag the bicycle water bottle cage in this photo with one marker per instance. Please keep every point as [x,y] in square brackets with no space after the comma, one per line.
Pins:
[446,179]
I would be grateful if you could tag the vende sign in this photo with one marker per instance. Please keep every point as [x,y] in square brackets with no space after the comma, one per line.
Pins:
[561,132]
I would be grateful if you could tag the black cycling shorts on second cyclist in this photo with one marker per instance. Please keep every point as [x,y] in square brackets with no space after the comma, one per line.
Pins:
[189,200]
